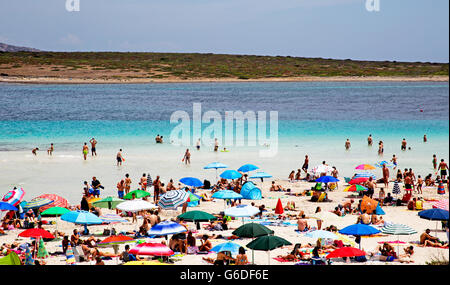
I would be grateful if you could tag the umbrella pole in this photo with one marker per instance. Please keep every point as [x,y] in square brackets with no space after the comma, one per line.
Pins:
[253,257]
[268,256]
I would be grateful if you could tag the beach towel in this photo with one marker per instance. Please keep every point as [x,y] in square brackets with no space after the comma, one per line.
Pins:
[279,259]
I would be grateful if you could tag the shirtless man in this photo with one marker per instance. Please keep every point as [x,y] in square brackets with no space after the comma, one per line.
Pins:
[403,144]
[93,149]
[85,151]
[143,182]
[156,185]
[50,150]
[198,144]
[34,150]
[385,176]
[425,138]
[394,161]
[206,244]
[443,167]
[119,157]
[305,164]
[364,218]
[370,187]
[419,184]
[127,183]
[369,140]
[302,223]
[347,144]
[187,157]
[408,184]
[348,206]
[427,240]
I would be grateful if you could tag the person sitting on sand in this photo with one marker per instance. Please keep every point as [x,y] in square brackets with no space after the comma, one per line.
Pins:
[75,238]
[127,256]
[177,244]
[295,254]
[428,240]
[412,204]
[206,244]
[302,224]
[387,252]
[99,261]
[241,258]
[337,211]
[407,256]
[364,218]
[347,206]
[298,174]
[376,221]
[276,187]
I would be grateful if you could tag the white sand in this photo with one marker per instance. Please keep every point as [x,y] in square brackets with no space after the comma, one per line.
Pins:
[393,214]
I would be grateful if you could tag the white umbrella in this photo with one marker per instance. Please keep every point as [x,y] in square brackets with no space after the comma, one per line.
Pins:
[322,169]
[135,206]
[241,211]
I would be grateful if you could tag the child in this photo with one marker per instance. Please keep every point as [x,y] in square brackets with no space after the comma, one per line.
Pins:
[419,184]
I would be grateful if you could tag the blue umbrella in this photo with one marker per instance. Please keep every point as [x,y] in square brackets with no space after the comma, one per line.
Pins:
[261,175]
[327,179]
[248,168]
[230,174]
[365,175]
[215,165]
[226,194]
[434,214]
[381,163]
[166,228]
[7,206]
[227,246]
[359,230]
[191,181]
[37,203]
[81,217]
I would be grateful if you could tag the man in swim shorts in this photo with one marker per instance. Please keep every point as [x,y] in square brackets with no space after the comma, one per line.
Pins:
[403,144]
[93,149]
[369,140]
[119,157]
[85,151]
[305,164]
[443,167]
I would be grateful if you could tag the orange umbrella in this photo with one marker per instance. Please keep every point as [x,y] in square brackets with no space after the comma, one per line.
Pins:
[365,167]
[368,204]
[279,209]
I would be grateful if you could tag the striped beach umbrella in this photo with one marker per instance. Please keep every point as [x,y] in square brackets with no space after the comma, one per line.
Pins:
[37,203]
[398,229]
[365,175]
[173,199]
[166,228]
[14,197]
[154,249]
[384,162]
[58,201]
[70,257]
[112,218]
[396,189]
[442,204]
[355,188]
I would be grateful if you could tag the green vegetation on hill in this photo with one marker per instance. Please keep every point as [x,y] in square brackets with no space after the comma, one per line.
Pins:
[194,65]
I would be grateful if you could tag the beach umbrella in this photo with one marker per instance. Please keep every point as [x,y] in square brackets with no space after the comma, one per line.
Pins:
[138,193]
[109,202]
[326,217]
[247,168]
[355,188]
[442,204]
[241,211]
[149,180]
[191,181]
[321,234]
[28,258]
[359,230]
[365,175]
[135,205]
[7,207]
[58,201]
[226,194]
[42,251]
[230,174]
[365,167]
[358,180]
[114,241]
[261,175]
[154,249]
[267,243]
[434,214]
[215,165]
[36,233]
[193,197]
[227,246]
[70,257]
[37,203]
[252,230]
[396,189]
[368,204]
[112,218]
[279,208]
[346,252]
[397,229]
[14,197]
[321,169]
[327,179]
[197,216]
[55,211]
[173,199]
[346,240]
[82,218]
[384,162]
[166,228]
[92,200]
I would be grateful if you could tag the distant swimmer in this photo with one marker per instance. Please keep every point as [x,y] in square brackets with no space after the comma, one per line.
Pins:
[425,138]
[34,151]
[403,144]
[225,150]
[347,144]
[85,151]
[119,157]
[198,144]
[380,147]
[93,149]
[50,149]
[159,139]
[369,140]
[216,144]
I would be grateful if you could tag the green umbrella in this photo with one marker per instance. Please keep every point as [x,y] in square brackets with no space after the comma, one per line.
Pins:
[267,243]
[138,194]
[108,202]
[55,211]
[252,230]
[197,216]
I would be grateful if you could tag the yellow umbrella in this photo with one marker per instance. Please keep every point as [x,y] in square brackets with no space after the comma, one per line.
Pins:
[92,200]
[145,262]
[346,240]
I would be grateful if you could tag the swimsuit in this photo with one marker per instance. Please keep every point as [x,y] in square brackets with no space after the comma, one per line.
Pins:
[119,159]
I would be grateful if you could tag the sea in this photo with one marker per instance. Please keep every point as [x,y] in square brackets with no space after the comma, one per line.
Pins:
[312,118]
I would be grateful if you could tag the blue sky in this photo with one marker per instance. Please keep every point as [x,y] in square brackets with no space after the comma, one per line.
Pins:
[403,30]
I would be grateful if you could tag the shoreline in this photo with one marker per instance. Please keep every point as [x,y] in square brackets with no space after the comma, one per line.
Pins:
[47,80]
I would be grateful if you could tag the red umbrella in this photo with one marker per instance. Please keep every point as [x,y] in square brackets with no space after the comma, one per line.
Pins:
[117,239]
[442,204]
[156,249]
[36,233]
[58,201]
[358,180]
[346,252]
[279,209]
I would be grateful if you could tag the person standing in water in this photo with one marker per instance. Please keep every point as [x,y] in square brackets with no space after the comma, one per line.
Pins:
[347,144]
[305,164]
[34,151]
[216,144]
[369,140]
[85,151]
[394,161]
[425,138]
[198,144]
[403,144]
[434,162]
[50,150]
[119,157]
[380,148]
[187,157]
[93,149]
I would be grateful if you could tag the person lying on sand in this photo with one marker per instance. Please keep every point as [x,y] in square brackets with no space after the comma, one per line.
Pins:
[276,187]
[296,254]
[290,206]
[428,240]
